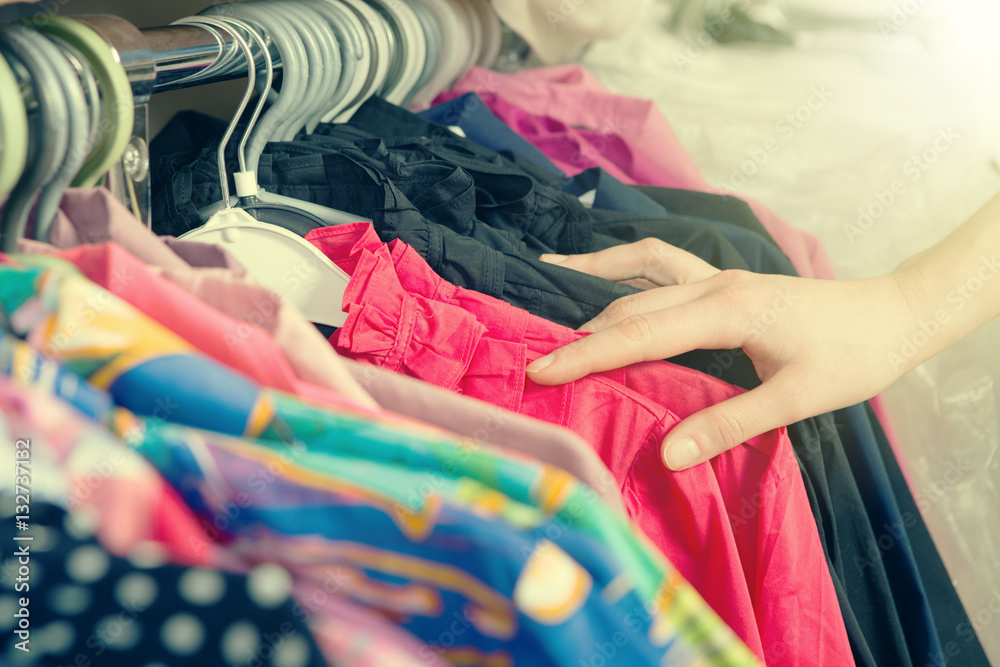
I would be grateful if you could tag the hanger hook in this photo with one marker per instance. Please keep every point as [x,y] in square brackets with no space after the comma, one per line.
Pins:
[268,78]
[251,84]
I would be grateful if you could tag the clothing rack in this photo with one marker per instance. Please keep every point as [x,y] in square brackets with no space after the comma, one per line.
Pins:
[159,60]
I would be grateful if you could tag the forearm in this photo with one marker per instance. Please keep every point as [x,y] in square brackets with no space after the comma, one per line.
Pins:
[953,288]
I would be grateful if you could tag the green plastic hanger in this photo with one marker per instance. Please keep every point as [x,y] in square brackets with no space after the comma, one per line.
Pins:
[117,107]
[13,131]
[48,139]
[80,139]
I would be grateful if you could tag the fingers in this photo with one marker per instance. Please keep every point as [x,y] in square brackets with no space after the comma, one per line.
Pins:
[649,301]
[655,335]
[649,259]
[725,425]
[639,283]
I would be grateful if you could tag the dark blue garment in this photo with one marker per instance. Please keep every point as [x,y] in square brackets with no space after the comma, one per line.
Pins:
[961,646]
[612,194]
[480,125]
[761,254]
[892,537]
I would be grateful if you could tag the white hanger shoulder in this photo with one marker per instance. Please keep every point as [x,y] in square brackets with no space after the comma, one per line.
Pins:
[281,261]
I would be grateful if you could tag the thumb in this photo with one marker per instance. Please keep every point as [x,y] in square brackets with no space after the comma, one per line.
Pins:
[723,426]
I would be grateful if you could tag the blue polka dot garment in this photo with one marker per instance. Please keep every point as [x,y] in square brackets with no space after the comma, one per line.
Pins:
[88,608]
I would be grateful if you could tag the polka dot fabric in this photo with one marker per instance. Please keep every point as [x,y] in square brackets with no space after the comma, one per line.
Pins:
[88,607]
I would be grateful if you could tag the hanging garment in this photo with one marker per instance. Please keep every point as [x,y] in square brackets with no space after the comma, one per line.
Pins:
[84,467]
[87,604]
[91,217]
[435,552]
[469,114]
[114,601]
[894,548]
[412,322]
[164,364]
[614,130]
[257,310]
[877,402]
[757,249]
[606,129]
[100,477]
[958,638]
[485,423]
[497,262]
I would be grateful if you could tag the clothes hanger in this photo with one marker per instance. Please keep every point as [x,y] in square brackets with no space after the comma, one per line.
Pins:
[359,39]
[117,107]
[389,49]
[285,216]
[411,48]
[417,49]
[330,63]
[492,33]
[79,143]
[476,23]
[465,37]
[455,44]
[286,212]
[315,66]
[348,42]
[48,136]
[432,38]
[88,82]
[294,74]
[277,258]
[381,49]
[13,131]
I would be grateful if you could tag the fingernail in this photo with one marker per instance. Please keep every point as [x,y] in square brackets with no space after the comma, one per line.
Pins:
[553,259]
[681,453]
[540,364]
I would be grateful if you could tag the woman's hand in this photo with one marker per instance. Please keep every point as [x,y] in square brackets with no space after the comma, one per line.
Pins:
[817,345]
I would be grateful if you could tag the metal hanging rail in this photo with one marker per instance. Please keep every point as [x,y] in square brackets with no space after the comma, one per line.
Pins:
[159,60]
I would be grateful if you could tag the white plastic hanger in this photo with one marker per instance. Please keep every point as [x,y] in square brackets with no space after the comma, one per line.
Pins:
[383,52]
[456,44]
[277,258]
[279,123]
[412,48]
[356,60]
